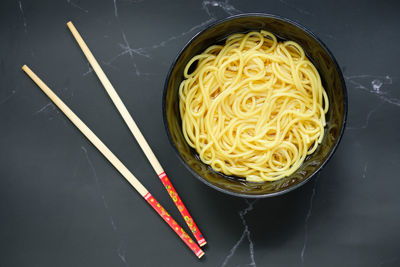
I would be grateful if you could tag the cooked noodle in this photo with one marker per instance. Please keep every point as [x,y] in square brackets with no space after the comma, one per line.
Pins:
[253,107]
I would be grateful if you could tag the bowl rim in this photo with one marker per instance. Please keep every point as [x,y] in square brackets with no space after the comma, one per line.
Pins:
[345,104]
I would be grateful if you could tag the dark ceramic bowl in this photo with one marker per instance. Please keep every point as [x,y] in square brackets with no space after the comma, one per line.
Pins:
[332,80]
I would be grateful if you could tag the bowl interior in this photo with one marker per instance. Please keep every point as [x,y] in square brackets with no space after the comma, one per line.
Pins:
[332,81]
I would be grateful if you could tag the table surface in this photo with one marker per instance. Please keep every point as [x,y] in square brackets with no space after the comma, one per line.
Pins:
[63,204]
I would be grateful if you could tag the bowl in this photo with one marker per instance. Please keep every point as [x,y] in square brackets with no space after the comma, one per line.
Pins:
[332,80]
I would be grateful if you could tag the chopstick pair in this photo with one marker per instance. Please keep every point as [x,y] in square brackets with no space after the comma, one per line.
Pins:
[138,135]
[115,161]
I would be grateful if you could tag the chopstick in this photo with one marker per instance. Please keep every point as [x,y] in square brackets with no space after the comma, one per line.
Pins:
[138,135]
[115,162]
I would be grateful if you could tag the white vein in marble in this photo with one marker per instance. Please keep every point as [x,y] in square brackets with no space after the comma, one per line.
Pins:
[194,28]
[307,219]
[206,6]
[77,6]
[330,36]
[99,190]
[109,64]
[23,16]
[121,251]
[367,119]
[90,70]
[364,174]
[115,9]
[300,10]
[48,105]
[377,85]
[128,50]
[8,97]
[246,234]
[224,5]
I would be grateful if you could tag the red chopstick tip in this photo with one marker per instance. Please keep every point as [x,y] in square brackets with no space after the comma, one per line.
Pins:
[202,242]
[200,254]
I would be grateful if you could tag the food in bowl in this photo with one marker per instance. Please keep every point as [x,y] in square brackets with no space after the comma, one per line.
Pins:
[253,107]
[331,78]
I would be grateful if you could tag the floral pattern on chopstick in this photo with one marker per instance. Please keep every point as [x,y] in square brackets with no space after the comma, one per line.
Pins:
[174,225]
[182,209]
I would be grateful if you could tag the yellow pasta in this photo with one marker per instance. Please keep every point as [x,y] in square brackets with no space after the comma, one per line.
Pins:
[253,107]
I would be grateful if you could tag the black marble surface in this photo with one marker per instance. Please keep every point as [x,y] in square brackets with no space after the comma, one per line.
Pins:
[63,204]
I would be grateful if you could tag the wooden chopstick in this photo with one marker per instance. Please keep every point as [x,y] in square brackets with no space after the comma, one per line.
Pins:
[115,162]
[138,135]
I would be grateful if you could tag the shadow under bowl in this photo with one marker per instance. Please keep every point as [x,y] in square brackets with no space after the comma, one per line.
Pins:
[332,80]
